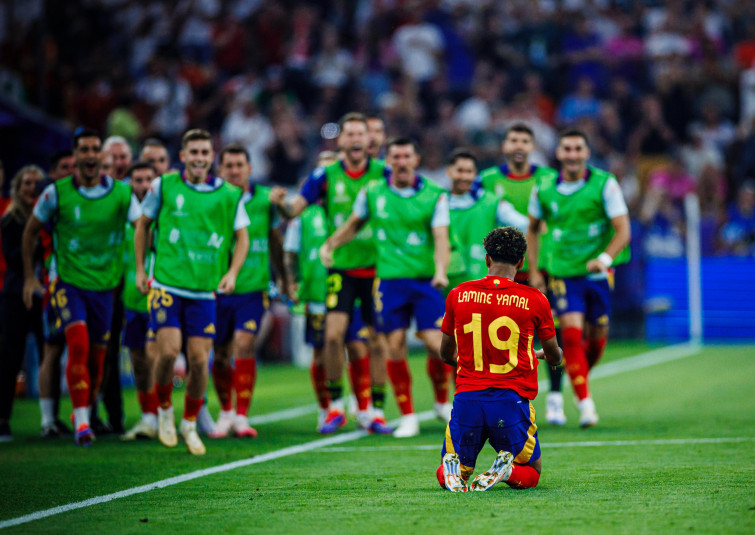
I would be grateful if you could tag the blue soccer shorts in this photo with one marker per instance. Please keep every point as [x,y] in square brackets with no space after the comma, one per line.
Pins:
[398,300]
[580,294]
[52,325]
[315,331]
[239,312]
[194,317]
[73,305]
[502,417]
[137,331]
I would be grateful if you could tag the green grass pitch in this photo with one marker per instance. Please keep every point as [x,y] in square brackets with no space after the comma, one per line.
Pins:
[636,477]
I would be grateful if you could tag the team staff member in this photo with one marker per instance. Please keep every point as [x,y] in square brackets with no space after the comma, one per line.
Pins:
[197,216]
[239,314]
[409,215]
[491,323]
[88,212]
[588,224]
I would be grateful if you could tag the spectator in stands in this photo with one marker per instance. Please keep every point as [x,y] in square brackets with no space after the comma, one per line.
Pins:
[18,322]
[738,233]
[246,125]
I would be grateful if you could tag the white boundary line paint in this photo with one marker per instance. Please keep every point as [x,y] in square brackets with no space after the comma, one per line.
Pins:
[286,414]
[586,444]
[643,360]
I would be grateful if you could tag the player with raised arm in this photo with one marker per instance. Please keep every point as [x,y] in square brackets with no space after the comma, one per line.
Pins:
[239,315]
[88,212]
[352,274]
[138,337]
[198,216]
[488,333]
[588,225]
[409,215]
[513,181]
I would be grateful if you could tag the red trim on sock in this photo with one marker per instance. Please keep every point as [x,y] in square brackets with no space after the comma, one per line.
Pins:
[401,381]
[222,378]
[320,385]
[148,402]
[164,395]
[439,374]
[523,477]
[361,381]
[191,408]
[77,368]
[595,349]
[244,377]
[576,362]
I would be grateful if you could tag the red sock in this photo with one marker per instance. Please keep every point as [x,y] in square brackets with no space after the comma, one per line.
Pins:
[576,362]
[191,408]
[148,402]
[96,370]
[361,382]
[523,477]
[595,348]
[164,395]
[439,373]
[222,377]
[401,381]
[77,369]
[317,373]
[243,382]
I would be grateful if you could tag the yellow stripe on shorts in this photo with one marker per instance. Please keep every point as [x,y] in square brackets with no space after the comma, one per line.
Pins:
[529,447]
[449,442]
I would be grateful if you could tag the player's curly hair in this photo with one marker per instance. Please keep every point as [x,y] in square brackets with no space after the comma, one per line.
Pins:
[506,245]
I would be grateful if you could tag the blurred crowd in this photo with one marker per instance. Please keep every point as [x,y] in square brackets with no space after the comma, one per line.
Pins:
[666,90]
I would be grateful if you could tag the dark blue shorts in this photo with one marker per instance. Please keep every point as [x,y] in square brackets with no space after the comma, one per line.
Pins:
[315,332]
[195,317]
[52,326]
[137,332]
[239,312]
[580,294]
[398,300]
[502,417]
[94,308]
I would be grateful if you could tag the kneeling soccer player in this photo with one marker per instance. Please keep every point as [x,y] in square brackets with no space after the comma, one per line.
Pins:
[494,321]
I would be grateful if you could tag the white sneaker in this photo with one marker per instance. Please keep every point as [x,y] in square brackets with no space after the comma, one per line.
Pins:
[364,419]
[166,427]
[241,427]
[588,417]
[223,425]
[409,426]
[321,415]
[452,473]
[500,471]
[190,436]
[443,411]
[554,408]
[205,423]
[146,428]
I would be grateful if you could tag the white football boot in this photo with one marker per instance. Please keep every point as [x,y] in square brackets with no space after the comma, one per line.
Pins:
[452,473]
[408,427]
[500,471]
[588,416]
[443,411]
[554,408]
[224,424]
[193,442]
[166,427]
[146,428]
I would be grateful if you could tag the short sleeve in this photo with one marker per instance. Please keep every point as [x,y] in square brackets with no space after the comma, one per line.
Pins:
[533,208]
[134,209]
[292,239]
[613,199]
[314,185]
[441,215]
[47,204]
[361,207]
[151,203]
[242,218]
[448,326]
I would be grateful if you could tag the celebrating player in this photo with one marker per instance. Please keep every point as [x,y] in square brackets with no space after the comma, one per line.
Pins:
[137,336]
[494,321]
[198,216]
[375,136]
[154,152]
[410,218]
[239,314]
[513,181]
[352,273]
[88,212]
[588,224]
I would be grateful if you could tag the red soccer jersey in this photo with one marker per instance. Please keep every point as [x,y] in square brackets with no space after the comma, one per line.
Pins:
[495,320]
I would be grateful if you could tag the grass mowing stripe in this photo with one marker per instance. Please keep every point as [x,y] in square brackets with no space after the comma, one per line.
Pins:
[285,452]
[588,444]
[636,362]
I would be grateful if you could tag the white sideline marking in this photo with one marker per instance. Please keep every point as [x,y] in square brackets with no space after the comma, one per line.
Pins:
[642,360]
[586,444]
[286,414]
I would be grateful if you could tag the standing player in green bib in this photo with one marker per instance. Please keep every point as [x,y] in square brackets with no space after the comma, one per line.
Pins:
[588,225]
[352,274]
[198,216]
[409,215]
[138,337]
[513,181]
[239,315]
[88,212]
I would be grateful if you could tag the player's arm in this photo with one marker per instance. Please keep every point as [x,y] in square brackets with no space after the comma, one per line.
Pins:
[448,340]
[28,245]
[442,246]
[552,354]
[291,208]
[448,349]
[536,279]
[343,235]
[311,190]
[291,266]
[275,245]
[240,250]
[141,238]
[616,210]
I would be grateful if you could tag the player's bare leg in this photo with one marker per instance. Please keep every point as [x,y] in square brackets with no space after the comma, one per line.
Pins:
[572,330]
[222,377]
[245,377]
[336,324]
[401,380]
[141,360]
[49,391]
[439,373]
[168,347]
